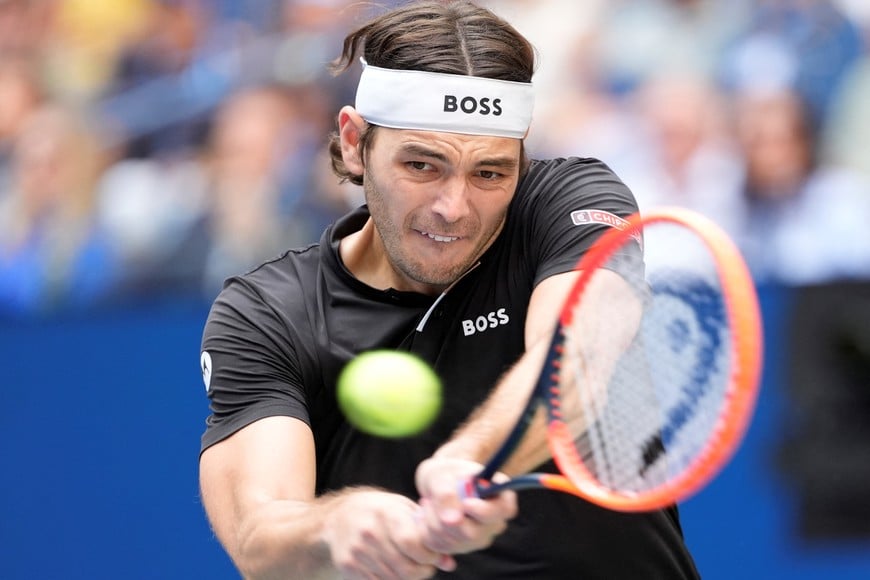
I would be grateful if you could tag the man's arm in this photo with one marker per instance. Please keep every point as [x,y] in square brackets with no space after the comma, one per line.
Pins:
[258,491]
[489,425]
[461,457]
[608,298]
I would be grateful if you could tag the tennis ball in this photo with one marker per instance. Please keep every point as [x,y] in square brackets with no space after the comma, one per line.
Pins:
[389,393]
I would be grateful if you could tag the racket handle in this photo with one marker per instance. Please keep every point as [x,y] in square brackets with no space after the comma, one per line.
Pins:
[477,487]
[469,489]
[484,488]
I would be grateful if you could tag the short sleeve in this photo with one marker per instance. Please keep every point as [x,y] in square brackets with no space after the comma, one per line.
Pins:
[569,204]
[249,366]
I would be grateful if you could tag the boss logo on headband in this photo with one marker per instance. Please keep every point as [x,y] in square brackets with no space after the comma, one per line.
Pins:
[469,105]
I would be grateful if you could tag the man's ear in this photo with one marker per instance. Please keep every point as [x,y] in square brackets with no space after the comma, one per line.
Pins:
[350,128]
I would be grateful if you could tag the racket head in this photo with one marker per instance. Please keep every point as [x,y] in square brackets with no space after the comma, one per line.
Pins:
[681,396]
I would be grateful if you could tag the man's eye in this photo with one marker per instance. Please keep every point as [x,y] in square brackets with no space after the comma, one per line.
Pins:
[418,165]
[490,175]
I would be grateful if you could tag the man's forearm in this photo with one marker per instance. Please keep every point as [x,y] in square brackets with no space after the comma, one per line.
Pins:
[480,437]
[286,539]
[602,331]
[355,532]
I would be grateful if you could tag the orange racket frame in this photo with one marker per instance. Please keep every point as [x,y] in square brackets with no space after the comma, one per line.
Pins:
[743,314]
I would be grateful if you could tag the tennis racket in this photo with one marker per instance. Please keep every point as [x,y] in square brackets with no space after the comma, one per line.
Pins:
[652,374]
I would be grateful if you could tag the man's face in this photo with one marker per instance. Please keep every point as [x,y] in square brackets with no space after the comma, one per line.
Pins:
[438,200]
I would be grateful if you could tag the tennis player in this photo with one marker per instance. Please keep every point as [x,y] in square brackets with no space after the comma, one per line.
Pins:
[462,255]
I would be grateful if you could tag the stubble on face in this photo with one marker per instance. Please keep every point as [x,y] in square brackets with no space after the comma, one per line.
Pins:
[408,265]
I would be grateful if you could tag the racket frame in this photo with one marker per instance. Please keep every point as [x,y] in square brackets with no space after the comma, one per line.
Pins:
[743,313]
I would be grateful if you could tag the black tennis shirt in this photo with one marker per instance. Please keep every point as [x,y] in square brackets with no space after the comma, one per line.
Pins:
[277,337]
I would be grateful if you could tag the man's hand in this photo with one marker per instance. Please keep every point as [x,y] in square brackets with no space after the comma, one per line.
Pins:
[456,524]
[374,534]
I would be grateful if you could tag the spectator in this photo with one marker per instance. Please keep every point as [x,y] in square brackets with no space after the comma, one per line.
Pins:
[20,95]
[23,26]
[166,68]
[258,162]
[51,252]
[681,153]
[85,41]
[246,199]
[805,222]
[806,44]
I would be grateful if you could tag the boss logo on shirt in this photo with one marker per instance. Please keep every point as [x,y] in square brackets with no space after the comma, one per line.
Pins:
[470,105]
[485,322]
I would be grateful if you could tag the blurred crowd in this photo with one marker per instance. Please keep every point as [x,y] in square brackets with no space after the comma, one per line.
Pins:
[151,148]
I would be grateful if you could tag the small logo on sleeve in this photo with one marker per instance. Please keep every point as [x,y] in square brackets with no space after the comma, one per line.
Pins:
[599,216]
[205,366]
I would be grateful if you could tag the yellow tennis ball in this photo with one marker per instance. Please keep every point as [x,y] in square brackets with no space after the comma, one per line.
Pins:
[389,393]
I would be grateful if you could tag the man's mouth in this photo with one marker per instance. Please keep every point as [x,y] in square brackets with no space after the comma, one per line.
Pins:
[438,238]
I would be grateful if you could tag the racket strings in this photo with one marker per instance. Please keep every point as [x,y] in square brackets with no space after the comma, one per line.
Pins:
[645,369]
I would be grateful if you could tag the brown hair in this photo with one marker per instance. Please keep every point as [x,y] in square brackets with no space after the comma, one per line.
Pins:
[452,37]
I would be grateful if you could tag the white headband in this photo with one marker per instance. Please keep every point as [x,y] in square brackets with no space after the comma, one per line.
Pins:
[410,99]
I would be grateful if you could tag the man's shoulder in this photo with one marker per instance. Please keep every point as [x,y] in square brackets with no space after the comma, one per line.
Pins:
[279,282]
[560,174]
[291,265]
[578,178]
[555,166]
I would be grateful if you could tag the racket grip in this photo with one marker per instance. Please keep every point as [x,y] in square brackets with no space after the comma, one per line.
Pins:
[479,488]
[469,489]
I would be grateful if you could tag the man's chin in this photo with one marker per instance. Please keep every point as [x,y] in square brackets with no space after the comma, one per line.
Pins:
[439,277]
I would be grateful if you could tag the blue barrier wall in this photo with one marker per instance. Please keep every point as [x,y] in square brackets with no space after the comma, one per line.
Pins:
[99,437]
[99,441]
